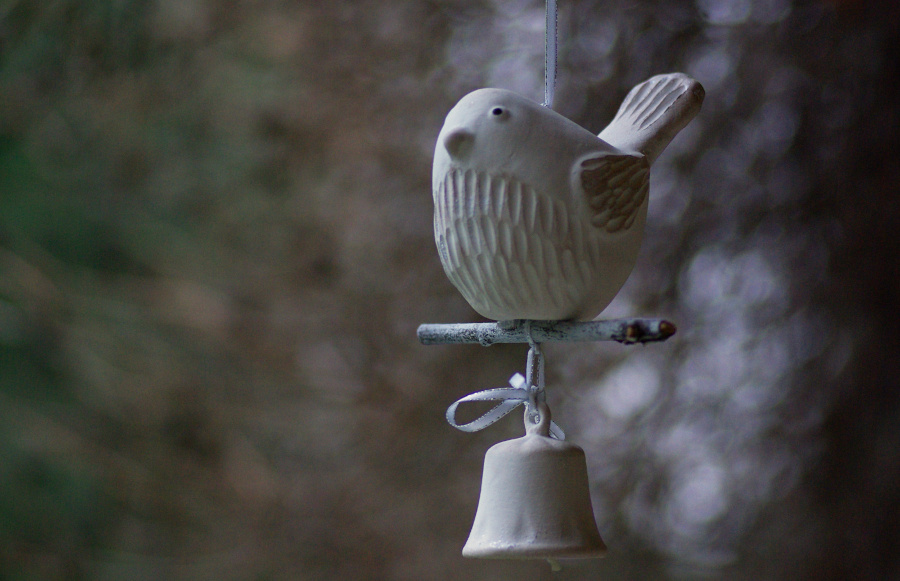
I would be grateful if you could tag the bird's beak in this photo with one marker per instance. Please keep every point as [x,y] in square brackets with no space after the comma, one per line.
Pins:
[458,143]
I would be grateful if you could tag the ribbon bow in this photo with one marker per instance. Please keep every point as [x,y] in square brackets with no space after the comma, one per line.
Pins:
[510,398]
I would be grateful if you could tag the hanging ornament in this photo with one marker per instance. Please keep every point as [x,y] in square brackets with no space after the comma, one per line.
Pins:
[538,223]
[536,217]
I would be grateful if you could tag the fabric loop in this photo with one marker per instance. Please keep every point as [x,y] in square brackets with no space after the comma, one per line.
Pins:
[510,398]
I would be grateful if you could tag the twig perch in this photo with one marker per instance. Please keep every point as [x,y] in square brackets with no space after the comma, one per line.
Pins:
[628,331]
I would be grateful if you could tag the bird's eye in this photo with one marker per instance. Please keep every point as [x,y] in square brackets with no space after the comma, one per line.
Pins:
[498,112]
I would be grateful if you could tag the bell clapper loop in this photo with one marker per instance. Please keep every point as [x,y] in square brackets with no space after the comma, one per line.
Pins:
[534,380]
[537,413]
[539,424]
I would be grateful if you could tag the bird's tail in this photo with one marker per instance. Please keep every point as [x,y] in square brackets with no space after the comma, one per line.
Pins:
[653,113]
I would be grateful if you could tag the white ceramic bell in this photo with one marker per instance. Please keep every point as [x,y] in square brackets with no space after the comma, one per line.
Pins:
[535,500]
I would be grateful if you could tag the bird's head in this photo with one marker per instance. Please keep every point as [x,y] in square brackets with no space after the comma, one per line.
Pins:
[486,129]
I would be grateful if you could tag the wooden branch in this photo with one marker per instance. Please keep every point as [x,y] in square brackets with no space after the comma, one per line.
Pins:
[628,331]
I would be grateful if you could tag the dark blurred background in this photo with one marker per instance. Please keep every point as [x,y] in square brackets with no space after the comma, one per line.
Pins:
[216,245]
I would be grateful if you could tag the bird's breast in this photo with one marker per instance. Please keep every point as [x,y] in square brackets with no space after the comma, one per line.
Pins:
[467,193]
[512,251]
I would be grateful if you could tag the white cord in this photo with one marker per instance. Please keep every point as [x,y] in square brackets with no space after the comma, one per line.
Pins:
[550,46]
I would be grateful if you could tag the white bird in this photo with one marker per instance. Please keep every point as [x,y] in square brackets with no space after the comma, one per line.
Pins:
[536,217]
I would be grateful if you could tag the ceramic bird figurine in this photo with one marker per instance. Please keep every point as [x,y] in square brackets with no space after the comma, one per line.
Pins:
[536,217]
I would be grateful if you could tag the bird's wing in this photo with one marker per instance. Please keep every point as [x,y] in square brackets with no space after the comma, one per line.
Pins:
[614,187]
[653,113]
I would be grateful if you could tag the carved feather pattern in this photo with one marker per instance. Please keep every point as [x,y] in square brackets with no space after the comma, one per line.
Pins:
[513,253]
[615,186]
[653,113]
[648,102]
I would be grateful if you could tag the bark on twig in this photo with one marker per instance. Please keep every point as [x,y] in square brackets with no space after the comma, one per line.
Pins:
[626,331]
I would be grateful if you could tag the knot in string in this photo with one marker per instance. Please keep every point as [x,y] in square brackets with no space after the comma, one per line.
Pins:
[529,392]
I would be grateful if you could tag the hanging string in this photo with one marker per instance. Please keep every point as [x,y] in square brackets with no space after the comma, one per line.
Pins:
[550,46]
[528,392]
